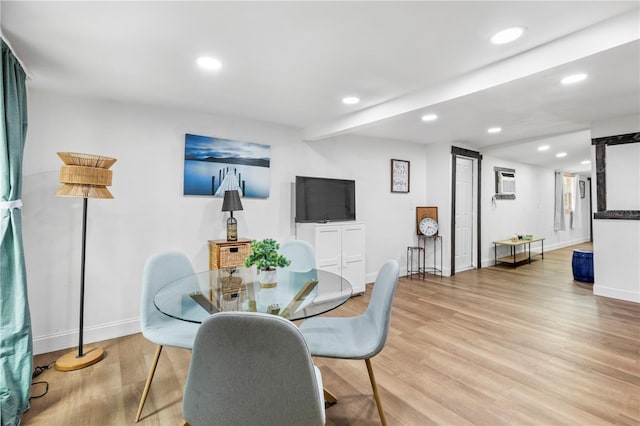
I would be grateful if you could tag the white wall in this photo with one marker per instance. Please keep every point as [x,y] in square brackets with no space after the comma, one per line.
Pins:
[530,213]
[438,175]
[616,243]
[149,212]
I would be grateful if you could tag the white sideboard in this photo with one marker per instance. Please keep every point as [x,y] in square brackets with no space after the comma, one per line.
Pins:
[339,248]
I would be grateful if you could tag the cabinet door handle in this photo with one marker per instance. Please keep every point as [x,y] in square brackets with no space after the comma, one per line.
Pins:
[233,249]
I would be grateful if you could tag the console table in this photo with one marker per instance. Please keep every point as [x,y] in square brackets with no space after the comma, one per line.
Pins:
[515,257]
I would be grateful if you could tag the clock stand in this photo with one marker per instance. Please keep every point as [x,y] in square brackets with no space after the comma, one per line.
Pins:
[427,229]
[437,244]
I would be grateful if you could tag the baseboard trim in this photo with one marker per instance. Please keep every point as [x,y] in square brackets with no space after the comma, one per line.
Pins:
[69,339]
[615,293]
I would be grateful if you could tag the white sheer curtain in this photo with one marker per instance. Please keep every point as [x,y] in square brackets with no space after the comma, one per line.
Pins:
[558,210]
[576,217]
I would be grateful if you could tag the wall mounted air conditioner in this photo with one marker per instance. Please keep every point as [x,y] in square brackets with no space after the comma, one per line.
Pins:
[506,183]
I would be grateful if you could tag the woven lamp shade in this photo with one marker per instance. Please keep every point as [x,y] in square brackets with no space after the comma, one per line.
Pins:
[85,175]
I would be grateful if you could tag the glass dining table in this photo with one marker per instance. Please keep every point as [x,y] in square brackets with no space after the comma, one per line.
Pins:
[295,295]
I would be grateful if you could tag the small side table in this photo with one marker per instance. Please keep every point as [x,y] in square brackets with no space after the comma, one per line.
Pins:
[411,251]
[228,254]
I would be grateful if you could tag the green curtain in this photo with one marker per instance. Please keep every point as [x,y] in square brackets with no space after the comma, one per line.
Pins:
[16,353]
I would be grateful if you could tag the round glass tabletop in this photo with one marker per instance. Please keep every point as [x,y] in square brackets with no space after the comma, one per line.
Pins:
[295,295]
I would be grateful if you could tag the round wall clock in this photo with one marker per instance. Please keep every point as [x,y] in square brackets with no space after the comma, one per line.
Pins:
[422,212]
[428,227]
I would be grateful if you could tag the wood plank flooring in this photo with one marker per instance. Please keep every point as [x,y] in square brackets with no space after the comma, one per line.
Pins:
[496,346]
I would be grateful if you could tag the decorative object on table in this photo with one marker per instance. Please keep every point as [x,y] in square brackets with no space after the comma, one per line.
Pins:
[228,254]
[400,176]
[264,254]
[83,176]
[428,227]
[230,204]
[423,213]
[214,165]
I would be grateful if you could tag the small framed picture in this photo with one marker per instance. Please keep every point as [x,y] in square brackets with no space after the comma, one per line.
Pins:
[581,185]
[399,176]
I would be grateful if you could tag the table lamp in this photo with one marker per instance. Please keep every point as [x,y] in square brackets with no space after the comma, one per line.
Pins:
[83,176]
[231,203]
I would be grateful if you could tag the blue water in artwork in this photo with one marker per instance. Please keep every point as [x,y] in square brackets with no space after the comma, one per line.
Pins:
[207,157]
[197,177]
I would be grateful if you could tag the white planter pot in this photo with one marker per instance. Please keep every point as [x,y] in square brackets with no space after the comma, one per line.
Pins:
[267,278]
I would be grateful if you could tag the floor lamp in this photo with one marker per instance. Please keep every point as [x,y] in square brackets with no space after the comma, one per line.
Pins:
[83,176]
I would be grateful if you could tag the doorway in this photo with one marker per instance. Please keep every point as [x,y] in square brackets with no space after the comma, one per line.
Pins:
[465,217]
[465,209]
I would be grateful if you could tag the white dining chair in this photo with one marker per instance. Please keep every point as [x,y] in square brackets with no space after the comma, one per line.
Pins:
[161,269]
[301,255]
[359,337]
[252,368]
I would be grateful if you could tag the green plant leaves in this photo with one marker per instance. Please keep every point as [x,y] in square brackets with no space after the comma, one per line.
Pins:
[264,254]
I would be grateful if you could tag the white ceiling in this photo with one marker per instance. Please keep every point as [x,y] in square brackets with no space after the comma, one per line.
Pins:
[292,62]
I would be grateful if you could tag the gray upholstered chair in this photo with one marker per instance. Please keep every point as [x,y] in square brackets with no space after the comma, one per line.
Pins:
[301,255]
[359,337]
[252,368]
[161,269]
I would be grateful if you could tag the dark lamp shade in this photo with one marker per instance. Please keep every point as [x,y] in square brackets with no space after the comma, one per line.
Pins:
[231,202]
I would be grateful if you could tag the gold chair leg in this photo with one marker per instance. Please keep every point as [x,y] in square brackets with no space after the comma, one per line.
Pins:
[329,398]
[376,395]
[147,385]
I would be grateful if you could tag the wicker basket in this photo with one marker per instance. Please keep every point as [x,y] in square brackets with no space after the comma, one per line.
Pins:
[228,255]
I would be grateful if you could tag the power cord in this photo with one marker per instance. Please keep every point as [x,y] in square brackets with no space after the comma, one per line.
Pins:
[38,370]
[46,389]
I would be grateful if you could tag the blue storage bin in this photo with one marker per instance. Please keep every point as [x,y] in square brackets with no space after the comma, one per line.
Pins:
[582,264]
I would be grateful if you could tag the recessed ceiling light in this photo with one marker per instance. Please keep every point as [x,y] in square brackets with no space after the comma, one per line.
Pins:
[574,78]
[561,154]
[507,36]
[350,100]
[429,117]
[585,162]
[208,63]
[543,148]
[494,129]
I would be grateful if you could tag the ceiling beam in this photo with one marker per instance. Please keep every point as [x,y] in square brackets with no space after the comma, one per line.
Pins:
[589,41]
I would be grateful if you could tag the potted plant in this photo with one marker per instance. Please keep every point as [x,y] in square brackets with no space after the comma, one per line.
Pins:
[264,254]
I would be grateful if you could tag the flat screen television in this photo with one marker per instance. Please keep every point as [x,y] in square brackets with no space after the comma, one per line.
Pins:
[325,200]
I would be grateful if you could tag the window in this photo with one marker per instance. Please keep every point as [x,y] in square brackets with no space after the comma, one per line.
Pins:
[567,191]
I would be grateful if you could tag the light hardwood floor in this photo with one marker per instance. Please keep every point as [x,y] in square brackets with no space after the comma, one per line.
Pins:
[525,346]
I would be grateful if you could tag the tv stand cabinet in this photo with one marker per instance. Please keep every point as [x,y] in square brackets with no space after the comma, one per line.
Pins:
[339,248]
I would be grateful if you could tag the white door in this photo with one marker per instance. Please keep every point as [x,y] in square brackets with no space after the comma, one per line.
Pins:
[464,214]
